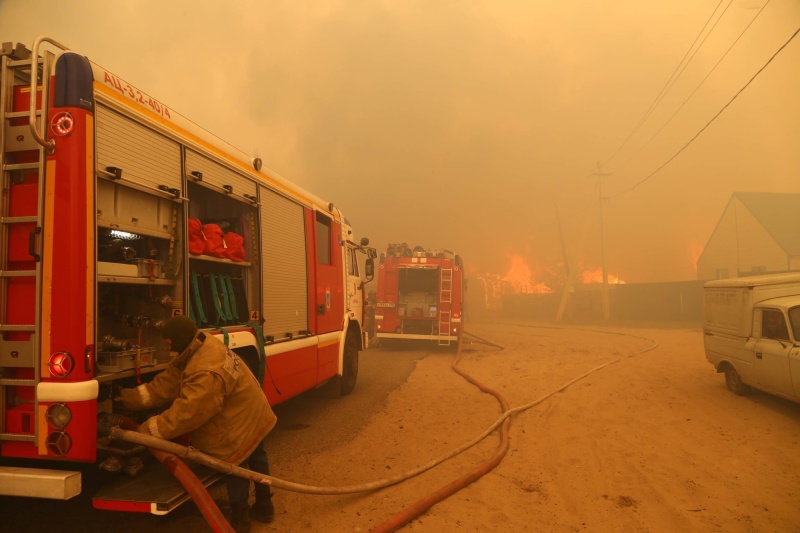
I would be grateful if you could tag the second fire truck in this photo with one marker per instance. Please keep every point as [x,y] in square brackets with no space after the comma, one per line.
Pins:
[420,295]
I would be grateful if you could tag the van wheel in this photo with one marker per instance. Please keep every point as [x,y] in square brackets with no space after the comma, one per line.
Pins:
[734,382]
[349,365]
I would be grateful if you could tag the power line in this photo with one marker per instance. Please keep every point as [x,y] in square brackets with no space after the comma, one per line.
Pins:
[656,99]
[676,154]
[645,145]
[582,209]
[696,50]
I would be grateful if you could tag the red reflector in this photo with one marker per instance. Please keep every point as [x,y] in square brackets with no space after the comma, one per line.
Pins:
[61,364]
[58,443]
[62,124]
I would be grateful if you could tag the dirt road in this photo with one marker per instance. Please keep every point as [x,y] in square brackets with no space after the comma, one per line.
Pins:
[653,442]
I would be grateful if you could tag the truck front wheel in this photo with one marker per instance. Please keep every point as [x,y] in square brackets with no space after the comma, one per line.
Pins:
[734,381]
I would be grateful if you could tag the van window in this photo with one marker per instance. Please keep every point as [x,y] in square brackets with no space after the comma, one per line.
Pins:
[773,325]
[794,320]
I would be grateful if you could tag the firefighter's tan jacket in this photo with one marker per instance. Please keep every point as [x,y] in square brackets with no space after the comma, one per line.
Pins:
[215,399]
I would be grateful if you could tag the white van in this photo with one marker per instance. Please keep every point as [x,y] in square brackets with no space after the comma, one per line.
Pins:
[751,332]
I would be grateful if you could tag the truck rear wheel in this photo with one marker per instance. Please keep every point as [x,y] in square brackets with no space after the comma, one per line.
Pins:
[349,365]
[734,381]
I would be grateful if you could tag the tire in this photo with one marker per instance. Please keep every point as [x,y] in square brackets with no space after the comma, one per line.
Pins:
[349,365]
[734,382]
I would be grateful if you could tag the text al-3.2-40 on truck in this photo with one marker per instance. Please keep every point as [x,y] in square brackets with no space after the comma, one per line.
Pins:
[118,213]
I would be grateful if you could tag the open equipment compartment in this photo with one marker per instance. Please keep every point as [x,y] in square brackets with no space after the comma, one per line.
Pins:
[140,226]
[223,245]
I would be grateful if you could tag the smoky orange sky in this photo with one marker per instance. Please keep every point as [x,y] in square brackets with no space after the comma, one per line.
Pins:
[469,125]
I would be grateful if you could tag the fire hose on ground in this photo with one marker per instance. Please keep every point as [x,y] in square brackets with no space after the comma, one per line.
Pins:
[421,506]
[400,519]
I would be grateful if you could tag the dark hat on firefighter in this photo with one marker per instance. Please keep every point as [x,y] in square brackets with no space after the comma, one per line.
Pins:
[180,330]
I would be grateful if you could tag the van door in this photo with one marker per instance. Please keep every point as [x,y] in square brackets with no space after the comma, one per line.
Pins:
[794,354]
[772,353]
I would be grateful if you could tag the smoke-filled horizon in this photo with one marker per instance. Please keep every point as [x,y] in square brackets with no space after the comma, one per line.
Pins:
[478,126]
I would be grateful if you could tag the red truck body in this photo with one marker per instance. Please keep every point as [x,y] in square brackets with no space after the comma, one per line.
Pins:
[420,295]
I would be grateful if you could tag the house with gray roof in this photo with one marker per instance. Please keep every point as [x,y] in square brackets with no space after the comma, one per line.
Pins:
[758,232]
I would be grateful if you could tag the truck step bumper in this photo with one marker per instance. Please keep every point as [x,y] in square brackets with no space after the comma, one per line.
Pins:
[155,490]
[417,336]
[39,483]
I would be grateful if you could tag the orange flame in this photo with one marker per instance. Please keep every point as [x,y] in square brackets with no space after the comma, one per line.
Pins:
[519,277]
[694,253]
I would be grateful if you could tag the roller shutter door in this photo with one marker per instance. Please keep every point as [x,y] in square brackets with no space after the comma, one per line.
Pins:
[284,272]
[145,157]
[218,175]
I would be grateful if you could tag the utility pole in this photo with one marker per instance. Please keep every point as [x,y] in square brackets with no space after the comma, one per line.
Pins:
[567,272]
[606,308]
[563,243]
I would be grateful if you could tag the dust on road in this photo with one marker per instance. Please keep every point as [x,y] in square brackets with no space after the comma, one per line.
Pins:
[653,442]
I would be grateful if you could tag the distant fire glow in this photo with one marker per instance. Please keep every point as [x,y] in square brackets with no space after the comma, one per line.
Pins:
[519,277]
[694,254]
[596,276]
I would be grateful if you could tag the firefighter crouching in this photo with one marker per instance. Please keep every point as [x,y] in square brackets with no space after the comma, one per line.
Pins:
[217,400]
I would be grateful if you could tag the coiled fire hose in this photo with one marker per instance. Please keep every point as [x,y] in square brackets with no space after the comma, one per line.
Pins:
[415,509]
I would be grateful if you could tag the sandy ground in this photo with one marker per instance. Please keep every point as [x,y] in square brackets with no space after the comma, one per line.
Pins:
[653,442]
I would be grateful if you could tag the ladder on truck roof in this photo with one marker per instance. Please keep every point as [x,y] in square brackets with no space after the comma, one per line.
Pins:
[22,160]
[445,305]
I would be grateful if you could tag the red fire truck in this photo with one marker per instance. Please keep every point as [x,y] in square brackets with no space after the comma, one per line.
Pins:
[420,294]
[118,213]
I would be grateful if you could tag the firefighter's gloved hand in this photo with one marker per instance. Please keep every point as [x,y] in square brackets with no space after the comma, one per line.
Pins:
[129,398]
[150,427]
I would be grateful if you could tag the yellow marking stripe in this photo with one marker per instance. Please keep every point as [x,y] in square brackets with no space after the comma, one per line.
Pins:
[329,343]
[41,420]
[47,265]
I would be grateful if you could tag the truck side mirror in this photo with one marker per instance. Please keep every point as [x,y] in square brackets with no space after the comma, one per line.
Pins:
[369,269]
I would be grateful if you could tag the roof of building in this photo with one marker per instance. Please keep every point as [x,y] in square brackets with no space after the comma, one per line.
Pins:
[779,214]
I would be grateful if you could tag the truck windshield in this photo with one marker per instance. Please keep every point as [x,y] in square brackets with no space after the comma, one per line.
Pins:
[794,319]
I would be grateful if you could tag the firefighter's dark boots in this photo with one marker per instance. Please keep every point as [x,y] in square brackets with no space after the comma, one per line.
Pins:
[262,509]
[240,517]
